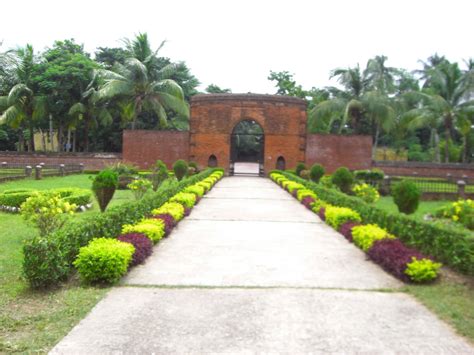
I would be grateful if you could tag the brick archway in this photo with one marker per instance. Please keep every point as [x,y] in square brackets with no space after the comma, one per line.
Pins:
[214,116]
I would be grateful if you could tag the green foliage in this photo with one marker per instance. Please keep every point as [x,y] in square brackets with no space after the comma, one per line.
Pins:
[365,236]
[186,199]
[159,174]
[175,209]
[369,176]
[450,246]
[423,270]
[316,172]
[153,229]
[180,168]
[326,181]
[299,168]
[406,196]
[123,168]
[76,234]
[103,186]
[196,190]
[104,260]
[16,197]
[302,193]
[343,179]
[214,89]
[304,174]
[139,187]
[461,212]
[366,192]
[337,216]
[193,164]
[46,211]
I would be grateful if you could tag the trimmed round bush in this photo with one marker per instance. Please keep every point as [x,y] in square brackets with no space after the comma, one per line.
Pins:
[175,209]
[336,216]
[104,260]
[365,236]
[343,179]
[346,229]
[299,168]
[316,172]
[142,244]
[168,220]
[104,186]
[406,196]
[180,168]
[154,229]
[187,199]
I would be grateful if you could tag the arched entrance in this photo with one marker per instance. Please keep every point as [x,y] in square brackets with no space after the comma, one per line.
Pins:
[247,148]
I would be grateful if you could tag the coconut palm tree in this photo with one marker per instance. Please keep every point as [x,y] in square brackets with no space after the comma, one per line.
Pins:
[139,86]
[21,107]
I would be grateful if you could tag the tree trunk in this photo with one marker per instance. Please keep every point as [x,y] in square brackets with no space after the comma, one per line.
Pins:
[68,142]
[436,146]
[86,133]
[60,137]
[51,133]
[447,128]
[376,140]
[74,141]
[465,148]
[21,141]
[32,136]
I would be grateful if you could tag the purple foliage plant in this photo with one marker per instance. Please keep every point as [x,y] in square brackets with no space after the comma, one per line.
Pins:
[143,246]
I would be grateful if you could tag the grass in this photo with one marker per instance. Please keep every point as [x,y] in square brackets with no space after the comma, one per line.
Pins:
[34,321]
[451,298]
[386,203]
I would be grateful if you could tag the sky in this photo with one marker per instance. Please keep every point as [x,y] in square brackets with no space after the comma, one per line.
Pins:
[235,44]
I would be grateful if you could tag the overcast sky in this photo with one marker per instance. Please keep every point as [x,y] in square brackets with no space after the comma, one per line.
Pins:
[235,44]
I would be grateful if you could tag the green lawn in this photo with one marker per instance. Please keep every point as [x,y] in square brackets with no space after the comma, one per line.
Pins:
[386,203]
[34,321]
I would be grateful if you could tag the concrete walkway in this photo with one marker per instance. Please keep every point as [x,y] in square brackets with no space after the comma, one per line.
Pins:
[251,270]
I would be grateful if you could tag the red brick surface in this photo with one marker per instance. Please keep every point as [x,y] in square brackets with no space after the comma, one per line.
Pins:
[334,151]
[144,148]
[91,161]
[426,169]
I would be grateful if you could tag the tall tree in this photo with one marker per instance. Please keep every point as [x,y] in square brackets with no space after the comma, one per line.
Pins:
[214,89]
[22,107]
[139,85]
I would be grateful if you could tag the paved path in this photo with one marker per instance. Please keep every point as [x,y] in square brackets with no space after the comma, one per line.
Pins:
[251,270]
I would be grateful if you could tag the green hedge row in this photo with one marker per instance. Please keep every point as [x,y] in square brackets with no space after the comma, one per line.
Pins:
[15,198]
[452,247]
[49,260]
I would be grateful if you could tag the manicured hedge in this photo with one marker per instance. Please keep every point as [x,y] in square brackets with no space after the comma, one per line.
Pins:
[448,245]
[48,260]
[143,246]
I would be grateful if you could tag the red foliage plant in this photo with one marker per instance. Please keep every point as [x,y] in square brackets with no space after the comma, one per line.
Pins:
[143,246]
[346,229]
[307,201]
[322,213]
[168,221]
[393,256]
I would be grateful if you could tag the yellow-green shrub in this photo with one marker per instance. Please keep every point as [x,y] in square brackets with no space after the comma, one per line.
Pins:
[422,270]
[185,198]
[365,236]
[366,192]
[195,189]
[175,209]
[104,260]
[336,216]
[152,229]
[302,193]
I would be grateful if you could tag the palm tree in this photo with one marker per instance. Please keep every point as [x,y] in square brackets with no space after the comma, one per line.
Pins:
[380,77]
[139,86]
[21,106]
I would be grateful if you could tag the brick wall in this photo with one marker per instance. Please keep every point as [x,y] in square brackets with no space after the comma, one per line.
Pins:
[333,151]
[143,148]
[425,169]
[213,118]
[91,161]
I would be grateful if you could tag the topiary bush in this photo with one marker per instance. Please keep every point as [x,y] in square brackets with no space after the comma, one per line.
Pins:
[343,179]
[366,192]
[142,244]
[406,196]
[365,236]
[104,260]
[158,175]
[316,172]
[180,168]
[104,186]
[299,168]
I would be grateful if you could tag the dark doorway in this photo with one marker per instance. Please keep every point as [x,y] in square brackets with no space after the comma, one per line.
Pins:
[247,146]
[281,164]
[212,161]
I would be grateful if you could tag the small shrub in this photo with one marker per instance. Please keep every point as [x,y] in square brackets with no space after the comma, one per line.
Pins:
[168,220]
[187,211]
[336,216]
[154,229]
[193,164]
[196,190]
[46,211]
[188,200]
[142,244]
[326,181]
[366,192]
[180,168]
[139,187]
[461,212]
[123,168]
[406,196]
[316,172]
[343,179]
[173,208]
[373,176]
[191,171]
[299,168]
[346,229]
[104,186]
[322,213]
[158,175]
[104,260]
[308,202]
[365,236]
[304,174]
[423,270]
